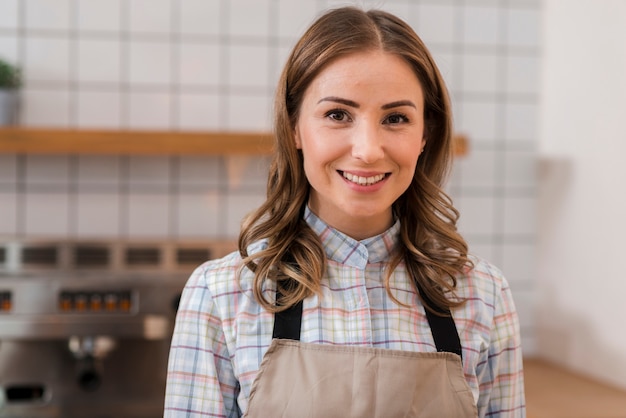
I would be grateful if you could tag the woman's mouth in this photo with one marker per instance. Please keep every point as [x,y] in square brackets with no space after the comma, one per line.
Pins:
[363,181]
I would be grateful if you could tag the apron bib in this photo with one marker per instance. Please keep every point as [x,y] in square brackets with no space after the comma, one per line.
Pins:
[298,379]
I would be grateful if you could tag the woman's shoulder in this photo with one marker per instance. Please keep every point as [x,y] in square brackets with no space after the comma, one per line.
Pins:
[220,275]
[487,296]
[485,269]
[483,281]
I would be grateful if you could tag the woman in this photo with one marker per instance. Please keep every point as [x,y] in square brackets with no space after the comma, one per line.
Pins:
[352,294]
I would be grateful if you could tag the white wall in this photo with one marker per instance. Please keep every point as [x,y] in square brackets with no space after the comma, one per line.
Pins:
[582,205]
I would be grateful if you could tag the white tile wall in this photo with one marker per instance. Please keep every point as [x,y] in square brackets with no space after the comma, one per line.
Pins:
[99,61]
[518,260]
[8,170]
[522,74]
[9,48]
[150,63]
[520,170]
[98,173]
[246,173]
[280,54]
[42,170]
[97,215]
[249,18]
[239,206]
[521,122]
[519,215]
[47,14]
[243,59]
[446,62]
[149,173]
[294,17]
[47,60]
[98,109]
[43,107]
[148,215]
[436,23]
[478,117]
[46,214]
[9,16]
[249,113]
[484,250]
[199,17]
[198,112]
[99,15]
[477,215]
[148,110]
[481,24]
[523,26]
[8,212]
[198,64]
[480,72]
[150,16]
[400,8]
[198,215]
[478,169]
[213,65]
[197,173]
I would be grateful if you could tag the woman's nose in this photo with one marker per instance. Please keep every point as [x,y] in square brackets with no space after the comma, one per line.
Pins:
[367,143]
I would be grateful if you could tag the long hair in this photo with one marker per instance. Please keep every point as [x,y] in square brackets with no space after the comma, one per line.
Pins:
[433,251]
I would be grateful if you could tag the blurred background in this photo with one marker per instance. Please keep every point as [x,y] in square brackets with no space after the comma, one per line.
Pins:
[538,89]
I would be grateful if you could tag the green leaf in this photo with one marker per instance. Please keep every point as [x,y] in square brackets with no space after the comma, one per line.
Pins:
[10,75]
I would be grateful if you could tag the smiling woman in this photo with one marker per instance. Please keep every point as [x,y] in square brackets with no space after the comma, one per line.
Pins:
[361,130]
[352,293]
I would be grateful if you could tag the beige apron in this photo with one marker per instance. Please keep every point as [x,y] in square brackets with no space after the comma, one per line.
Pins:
[311,380]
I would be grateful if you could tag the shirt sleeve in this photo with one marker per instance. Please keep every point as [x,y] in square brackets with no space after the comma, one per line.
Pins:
[200,378]
[501,376]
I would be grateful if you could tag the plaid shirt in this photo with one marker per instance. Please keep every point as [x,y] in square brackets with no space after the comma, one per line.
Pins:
[222,333]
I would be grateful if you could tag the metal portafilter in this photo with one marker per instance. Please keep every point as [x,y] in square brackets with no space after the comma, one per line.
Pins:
[89,352]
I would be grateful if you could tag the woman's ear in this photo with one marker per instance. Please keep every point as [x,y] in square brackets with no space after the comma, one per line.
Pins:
[296,137]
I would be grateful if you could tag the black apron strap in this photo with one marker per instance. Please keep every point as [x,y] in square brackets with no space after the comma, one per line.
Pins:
[287,323]
[443,328]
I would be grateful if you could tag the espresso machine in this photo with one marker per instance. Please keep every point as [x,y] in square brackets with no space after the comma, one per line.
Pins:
[85,328]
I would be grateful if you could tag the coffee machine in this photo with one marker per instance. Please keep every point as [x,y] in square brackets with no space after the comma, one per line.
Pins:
[85,328]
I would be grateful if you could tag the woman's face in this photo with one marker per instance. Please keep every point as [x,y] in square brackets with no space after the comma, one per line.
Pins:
[361,131]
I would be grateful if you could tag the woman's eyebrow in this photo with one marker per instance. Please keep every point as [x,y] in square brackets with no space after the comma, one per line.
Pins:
[335,99]
[399,103]
[354,104]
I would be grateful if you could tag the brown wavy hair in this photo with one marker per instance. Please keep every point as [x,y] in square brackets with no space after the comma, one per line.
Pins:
[433,251]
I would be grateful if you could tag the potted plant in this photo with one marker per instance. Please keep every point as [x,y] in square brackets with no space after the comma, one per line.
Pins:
[10,82]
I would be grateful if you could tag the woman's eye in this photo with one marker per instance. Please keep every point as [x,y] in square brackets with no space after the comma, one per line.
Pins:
[338,115]
[396,118]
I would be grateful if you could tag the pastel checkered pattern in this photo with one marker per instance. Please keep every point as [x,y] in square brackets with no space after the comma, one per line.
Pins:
[222,333]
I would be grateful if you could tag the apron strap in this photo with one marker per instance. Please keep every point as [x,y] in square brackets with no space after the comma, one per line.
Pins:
[442,327]
[287,325]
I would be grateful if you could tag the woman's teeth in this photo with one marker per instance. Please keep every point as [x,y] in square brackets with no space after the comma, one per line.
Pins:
[363,181]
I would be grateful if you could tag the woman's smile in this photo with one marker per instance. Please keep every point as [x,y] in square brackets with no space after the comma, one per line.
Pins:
[363,179]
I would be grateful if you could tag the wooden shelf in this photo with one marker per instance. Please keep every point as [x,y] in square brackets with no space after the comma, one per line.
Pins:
[131,142]
[102,142]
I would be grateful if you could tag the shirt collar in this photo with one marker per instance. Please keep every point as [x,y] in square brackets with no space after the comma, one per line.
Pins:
[343,249]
